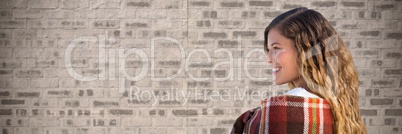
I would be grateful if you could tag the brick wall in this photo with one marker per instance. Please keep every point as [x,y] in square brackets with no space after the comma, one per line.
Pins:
[172,66]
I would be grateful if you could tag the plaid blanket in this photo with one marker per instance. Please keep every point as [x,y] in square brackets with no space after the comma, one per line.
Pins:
[287,115]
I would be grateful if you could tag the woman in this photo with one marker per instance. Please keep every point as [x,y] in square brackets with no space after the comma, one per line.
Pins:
[307,54]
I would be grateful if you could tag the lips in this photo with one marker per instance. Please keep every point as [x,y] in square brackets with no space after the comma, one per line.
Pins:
[276,70]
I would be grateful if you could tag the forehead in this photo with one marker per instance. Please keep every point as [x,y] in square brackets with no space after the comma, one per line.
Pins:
[275,37]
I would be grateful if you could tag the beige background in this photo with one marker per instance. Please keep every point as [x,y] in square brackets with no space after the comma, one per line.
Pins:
[193,66]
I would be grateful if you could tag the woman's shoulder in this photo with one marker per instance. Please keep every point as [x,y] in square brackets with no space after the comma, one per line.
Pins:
[248,121]
[246,116]
[292,108]
[297,111]
[282,100]
[283,108]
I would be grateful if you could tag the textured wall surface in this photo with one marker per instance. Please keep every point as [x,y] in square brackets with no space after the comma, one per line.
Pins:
[172,66]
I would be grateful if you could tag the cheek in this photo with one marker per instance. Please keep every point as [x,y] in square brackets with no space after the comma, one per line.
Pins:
[292,63]
[283,58]
[287,60]
[279,56]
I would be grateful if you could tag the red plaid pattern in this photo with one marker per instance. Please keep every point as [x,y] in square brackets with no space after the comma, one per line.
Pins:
[287,115]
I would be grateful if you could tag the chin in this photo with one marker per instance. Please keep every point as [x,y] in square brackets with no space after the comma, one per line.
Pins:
[278,82]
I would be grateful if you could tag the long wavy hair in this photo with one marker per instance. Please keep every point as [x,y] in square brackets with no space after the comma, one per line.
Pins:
[325,63]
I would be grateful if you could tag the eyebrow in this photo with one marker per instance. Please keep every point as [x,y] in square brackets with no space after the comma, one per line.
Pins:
[274,44]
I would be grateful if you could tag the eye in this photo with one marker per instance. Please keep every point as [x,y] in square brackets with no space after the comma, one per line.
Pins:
[273,48]
[276,49]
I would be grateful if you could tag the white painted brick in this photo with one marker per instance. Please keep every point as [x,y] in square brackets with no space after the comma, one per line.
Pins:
[168,122]
[44,83]
[90,130]
[105,14]
[12,24]
[73,83]
[44,102]
[44,122]
[15,4]
[390,130]
[74,4]
[121,130]
[58,130]
[172,4]
[74,103]
[27,33]
[31,13]
[179,130]
[153,131]
[44,98]
[73,24]
[16,83]
[58,14]
[6,53]
[177,13]
[105,4]
[385,44]
[43,4]
[106,103]
[169,24]
[199,122]
[136,122]
[14,122]
[151,14]
[24,130]
[392,92]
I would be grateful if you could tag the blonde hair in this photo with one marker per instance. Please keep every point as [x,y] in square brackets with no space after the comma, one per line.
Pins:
[324,63]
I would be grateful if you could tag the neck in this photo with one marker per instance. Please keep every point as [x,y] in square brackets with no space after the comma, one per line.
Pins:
[301,83]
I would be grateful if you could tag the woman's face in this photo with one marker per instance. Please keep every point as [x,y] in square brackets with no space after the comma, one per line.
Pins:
[282,57]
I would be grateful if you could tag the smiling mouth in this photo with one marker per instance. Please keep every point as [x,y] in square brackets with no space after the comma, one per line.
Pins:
[276,70]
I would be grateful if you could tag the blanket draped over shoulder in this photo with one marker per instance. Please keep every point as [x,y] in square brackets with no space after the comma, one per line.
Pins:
[287,115]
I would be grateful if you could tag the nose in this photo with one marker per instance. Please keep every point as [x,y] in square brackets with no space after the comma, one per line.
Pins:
[269,60]
[269,57]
